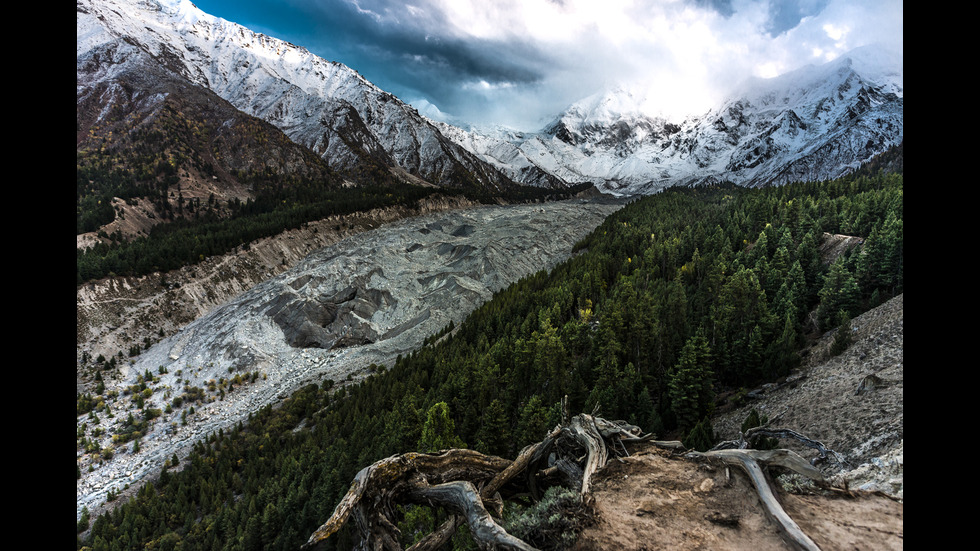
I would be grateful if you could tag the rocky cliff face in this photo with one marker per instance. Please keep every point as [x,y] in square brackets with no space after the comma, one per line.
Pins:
[164,144]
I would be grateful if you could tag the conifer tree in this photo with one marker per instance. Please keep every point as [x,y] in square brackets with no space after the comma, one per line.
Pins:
[755,419]
[439,430]
[781,358]
[494,435]
[701,437]
[839,293]
[690,382]
[533,422]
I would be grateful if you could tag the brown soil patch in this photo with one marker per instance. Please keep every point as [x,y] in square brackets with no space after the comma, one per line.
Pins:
[653,501]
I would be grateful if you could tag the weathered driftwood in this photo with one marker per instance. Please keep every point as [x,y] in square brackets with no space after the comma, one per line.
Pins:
[583,431]
[489,494]
[753,435]
[472,486]
[468,484]
[749,461]
[463,498]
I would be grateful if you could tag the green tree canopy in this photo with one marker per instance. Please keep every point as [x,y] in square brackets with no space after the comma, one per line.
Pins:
[439,430]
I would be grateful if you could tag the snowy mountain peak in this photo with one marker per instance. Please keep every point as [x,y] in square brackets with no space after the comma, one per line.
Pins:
[614,103]
[817,122]
[871,65]
[880,65]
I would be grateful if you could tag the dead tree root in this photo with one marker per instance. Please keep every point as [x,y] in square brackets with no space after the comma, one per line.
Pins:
[473,486]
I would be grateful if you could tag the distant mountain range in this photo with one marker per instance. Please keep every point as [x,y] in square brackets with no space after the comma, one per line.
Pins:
[815,123]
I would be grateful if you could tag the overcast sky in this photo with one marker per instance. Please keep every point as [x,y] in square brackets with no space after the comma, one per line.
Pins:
[520,62]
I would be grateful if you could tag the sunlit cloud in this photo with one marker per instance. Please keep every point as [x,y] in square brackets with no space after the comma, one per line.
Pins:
[519,62]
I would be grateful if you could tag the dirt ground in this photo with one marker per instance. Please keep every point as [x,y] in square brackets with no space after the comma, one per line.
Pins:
[652,501]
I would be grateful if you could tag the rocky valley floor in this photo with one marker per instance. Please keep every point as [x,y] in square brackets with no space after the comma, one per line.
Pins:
[337,312]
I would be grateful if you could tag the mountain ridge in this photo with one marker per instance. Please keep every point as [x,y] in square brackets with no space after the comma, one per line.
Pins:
[815,123]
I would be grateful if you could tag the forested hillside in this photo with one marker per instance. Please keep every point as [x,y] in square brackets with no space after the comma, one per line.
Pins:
[672,301]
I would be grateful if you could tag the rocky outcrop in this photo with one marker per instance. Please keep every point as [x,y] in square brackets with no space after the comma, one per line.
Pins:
[830,399]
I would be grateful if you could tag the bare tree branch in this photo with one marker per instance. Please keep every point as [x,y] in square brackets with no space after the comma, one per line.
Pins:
[749,461]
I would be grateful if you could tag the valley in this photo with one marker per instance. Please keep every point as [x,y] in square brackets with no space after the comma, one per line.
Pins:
[406,279]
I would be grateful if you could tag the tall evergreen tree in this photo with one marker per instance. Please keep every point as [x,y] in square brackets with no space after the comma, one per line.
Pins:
[843,337]
[494,435]
[439,430]
[839,293]
[690,383]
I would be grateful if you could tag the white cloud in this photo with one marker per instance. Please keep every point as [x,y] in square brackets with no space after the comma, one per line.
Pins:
[484,86]
[427,109]
[685,55]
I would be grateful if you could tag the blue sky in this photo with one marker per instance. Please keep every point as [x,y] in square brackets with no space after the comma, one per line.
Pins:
[520,62]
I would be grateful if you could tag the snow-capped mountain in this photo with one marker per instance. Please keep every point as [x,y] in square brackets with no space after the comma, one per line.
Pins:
[818,122]
[323,105]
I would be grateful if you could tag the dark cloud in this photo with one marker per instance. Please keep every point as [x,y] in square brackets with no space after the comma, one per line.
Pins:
[405,55]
